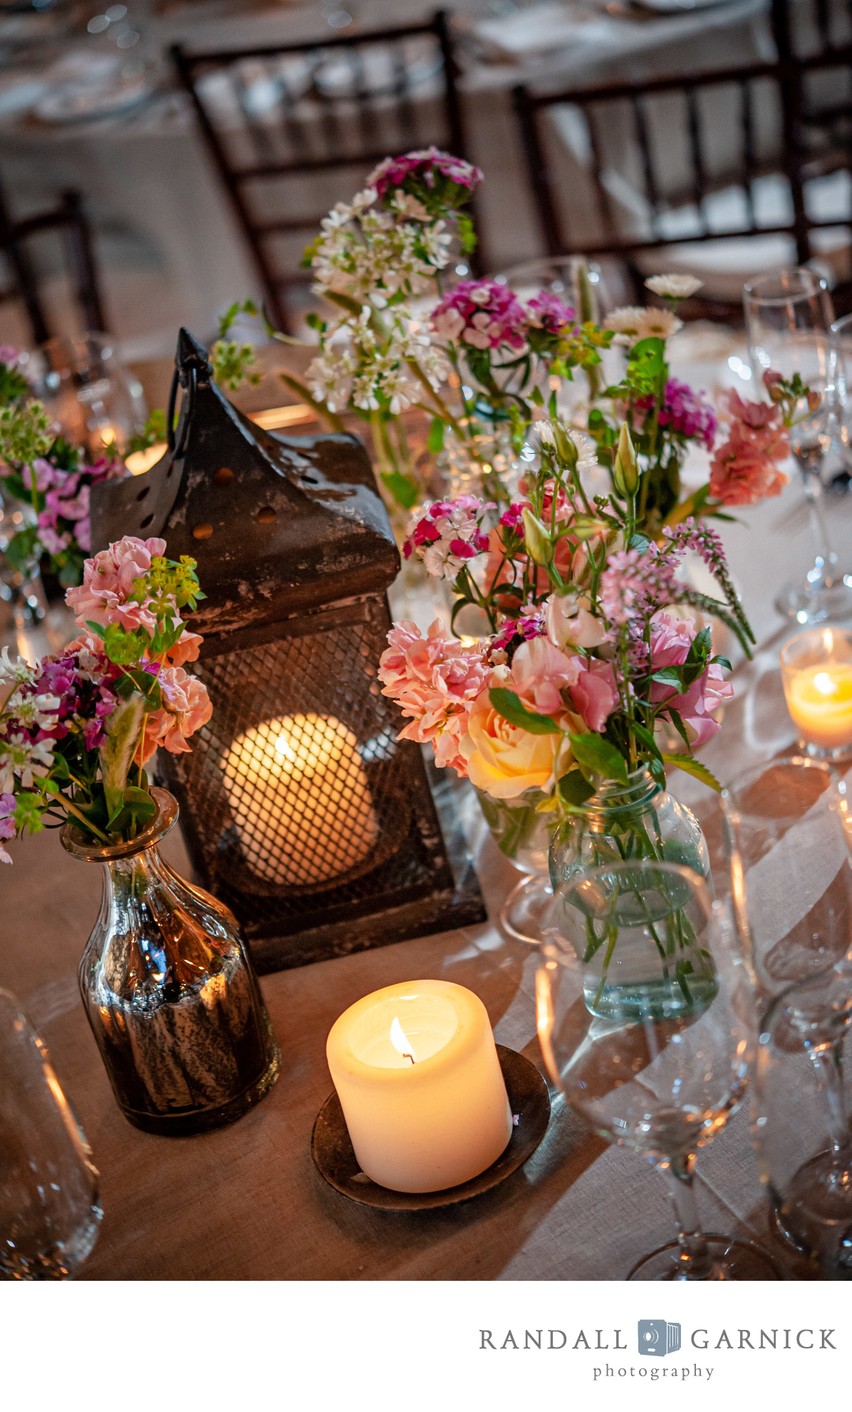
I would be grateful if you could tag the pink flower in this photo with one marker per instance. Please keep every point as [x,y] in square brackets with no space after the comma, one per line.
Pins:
[108,580]
[671,640]
[447,534]
[551,682]
[482,313]
[186,708]
[7,823]
[424,171]
[745,467]
[546,311]
[434,681]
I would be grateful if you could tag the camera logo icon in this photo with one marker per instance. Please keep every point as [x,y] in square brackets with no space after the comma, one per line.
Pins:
[657,1338]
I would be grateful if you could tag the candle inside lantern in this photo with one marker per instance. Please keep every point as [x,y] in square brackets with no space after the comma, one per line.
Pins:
[300,799]
[138,462]
[417,1073]
[816,669]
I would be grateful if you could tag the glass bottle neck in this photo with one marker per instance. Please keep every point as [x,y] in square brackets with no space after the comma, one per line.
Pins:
[613,796]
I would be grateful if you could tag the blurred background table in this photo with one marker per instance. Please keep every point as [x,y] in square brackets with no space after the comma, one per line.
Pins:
[170,249]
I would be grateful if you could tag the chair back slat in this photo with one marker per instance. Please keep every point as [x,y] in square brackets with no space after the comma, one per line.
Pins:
[18,241]
[319,109]
[716,155]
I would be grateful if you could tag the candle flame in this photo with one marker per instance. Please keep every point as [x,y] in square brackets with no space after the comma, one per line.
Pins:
[284,750]
[825,684]
[400,1041]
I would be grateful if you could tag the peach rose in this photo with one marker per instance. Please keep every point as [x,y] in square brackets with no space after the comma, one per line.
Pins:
[502,759]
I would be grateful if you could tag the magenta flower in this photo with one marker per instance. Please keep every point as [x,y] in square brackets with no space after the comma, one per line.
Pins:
[447,534]
[482,313]
[546,311]
[423,172]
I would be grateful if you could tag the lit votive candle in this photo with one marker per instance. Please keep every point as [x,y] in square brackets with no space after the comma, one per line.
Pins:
[300,799]
[417,1073]
[816,669]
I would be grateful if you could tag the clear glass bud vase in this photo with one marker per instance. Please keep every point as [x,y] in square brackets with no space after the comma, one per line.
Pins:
[648,959]
[170,991]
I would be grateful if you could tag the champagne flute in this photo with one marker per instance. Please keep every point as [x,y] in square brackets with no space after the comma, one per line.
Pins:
[661,1086]
[788,318]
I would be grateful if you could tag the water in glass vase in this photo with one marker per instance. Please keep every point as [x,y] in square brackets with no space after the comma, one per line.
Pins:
[642,950]
[641,943]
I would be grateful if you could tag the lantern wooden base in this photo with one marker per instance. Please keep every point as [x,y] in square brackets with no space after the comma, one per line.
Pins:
[529,1099]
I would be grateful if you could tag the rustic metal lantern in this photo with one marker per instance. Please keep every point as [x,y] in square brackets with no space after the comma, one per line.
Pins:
[300,808]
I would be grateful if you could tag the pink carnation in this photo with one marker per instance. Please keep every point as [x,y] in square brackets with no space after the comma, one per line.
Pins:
[108,578]
[745,467]
[671,639]
[186,708]
[434,681]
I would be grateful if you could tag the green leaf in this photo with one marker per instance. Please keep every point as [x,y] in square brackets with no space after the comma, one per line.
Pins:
[691,766]
[575,788]
[509,705]
[404,489]
[594,753]
[435,443]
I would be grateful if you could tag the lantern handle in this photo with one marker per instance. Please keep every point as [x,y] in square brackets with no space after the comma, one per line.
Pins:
[190,356]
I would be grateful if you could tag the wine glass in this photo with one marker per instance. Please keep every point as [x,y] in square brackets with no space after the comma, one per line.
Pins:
[660,1086]
[49,1207]
[788,846]
[801,1120]
[788,321]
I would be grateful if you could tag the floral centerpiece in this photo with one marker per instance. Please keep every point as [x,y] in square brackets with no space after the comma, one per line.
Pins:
[42,471]
[590,676]
[167,984]
[78,729]
[403,332]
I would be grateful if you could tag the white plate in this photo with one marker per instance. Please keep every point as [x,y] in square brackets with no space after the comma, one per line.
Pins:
[679,7]
[77,103]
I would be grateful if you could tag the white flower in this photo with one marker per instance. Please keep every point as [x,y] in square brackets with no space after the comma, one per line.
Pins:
[25,759]
[37,712]
[12,675]
[632,324]
[659,323]
[673,286]
[570,623]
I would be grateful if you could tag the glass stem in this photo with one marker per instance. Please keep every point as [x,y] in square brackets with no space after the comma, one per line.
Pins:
[828,1059]
[695,1261]
[823,553]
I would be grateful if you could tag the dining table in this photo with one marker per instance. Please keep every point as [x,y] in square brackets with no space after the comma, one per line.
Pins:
[251,1201]
[139,160]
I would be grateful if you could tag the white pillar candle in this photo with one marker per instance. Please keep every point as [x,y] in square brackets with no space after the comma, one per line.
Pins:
[816,669]
[431,1110]
[300,799]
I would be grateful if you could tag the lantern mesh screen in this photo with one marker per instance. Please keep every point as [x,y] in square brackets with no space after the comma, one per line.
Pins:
[303,807]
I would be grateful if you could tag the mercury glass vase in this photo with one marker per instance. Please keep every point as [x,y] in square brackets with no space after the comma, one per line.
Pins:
[170,991]
[649,959]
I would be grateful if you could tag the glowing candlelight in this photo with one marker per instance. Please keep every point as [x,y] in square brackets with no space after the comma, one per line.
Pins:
[138,462]
[816,669]
[300,799]
[416,1070]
